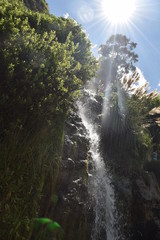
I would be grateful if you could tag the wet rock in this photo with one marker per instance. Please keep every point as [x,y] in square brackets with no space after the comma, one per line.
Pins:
[72,185]
[138,201]
[124,187]
[148,193]
[68,164]
[93,105]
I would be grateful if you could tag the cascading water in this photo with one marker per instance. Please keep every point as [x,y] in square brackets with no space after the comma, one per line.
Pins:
[100,180]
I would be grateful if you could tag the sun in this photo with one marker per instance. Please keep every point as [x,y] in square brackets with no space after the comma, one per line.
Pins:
[118,11]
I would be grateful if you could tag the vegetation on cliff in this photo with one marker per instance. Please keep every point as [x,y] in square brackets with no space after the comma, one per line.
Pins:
[44,61]
[40,6]
[127,104]
[130,135]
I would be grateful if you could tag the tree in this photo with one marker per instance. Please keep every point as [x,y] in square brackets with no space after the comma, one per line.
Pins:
[124,131]
[41,73]
[40,68]
[34,5]
[148,104]
[123,124]
[117,57]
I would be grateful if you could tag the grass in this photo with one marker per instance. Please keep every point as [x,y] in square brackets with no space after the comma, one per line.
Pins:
[27,161]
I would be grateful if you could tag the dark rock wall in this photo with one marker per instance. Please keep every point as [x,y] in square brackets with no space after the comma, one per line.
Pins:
[72,209]
[138,202]
[137,193]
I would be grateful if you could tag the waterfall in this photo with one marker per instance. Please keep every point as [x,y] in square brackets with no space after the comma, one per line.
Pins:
[100,181]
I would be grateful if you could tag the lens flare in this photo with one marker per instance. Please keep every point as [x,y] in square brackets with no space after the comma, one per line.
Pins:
[86,14]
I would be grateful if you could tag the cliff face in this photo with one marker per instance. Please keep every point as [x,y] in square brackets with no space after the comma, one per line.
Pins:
[37,5]
[72,208]
[138,203]
[137,193]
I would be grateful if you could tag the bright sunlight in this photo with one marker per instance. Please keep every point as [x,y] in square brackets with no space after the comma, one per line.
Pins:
[118,11]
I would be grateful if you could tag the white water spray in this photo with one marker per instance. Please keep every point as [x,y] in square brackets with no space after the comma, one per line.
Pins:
[100,181]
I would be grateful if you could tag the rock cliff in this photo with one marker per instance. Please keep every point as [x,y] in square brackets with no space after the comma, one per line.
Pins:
[73,206]
[138,203]
[137,192]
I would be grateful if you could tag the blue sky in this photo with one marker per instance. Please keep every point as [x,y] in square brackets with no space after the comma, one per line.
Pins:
[143,28]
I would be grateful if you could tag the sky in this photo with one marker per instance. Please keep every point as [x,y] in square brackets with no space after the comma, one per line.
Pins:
[143,27]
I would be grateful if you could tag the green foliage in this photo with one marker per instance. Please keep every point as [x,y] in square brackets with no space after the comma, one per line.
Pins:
[117,57]
[123,131]
[152,103]
[27,159]
[40,69]
[124,134]
[37,5]
[44,61]
[141,139]
[147,102]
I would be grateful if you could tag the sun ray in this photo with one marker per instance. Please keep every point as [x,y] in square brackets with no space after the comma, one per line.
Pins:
[144,37]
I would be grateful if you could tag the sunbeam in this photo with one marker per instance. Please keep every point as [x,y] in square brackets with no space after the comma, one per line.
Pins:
[144,37]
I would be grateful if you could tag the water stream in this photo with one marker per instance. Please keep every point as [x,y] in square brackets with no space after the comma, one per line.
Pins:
[100,183]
